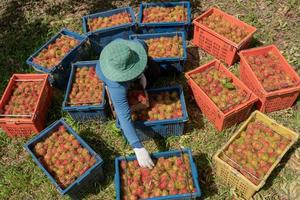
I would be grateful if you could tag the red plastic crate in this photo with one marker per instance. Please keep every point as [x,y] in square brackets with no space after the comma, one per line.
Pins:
[269,101]
[216,44]
[18,126]
[220,119]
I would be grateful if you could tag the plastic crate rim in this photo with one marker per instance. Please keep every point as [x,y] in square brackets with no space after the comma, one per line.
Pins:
[29,60]
[152,4]
[103,30]
[151,35]
[162,154]
[216,34]
[99,160]
[252,99]
[35,112]
[71,77]
[244,125]
[283,91]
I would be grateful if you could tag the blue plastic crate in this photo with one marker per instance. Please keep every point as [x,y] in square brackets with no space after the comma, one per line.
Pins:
[164,27]
[99,42]
[168,127]
[100,38]
[167,64]
[157,155]
[93,174]
[84,113]
[59,74]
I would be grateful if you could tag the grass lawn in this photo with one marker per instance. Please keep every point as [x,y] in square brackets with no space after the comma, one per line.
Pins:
[26,25]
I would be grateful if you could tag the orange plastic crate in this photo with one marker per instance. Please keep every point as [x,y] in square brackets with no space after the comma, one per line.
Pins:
[269,101]
[220,119]
[21,126]
[216,44]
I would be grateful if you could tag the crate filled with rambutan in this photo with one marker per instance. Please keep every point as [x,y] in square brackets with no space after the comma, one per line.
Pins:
[168,50]
[174,176]
[104,27]
[137,97]
[163,17]
[67,160]
[165,116]
[268,74]
[24,104]
[222,35]
[55,57]
[252,153]
[220,95]
[85,97]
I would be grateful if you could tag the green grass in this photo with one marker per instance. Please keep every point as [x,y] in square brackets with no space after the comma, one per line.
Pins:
[26,25]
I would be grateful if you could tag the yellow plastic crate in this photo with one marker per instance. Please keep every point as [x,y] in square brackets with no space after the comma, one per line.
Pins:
[232,177]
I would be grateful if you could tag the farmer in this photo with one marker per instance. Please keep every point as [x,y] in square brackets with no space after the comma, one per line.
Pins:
[123,62]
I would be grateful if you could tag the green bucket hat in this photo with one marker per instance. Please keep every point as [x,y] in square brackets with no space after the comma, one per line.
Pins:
[123,60]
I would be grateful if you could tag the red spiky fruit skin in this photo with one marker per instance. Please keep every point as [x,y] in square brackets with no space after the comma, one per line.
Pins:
[169,176]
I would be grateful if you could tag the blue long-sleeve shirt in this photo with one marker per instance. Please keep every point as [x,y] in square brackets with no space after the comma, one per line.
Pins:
[118,94]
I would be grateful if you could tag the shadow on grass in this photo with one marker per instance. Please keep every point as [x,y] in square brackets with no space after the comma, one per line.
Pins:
[107,154]
[205,175]
[161,144]
[193,58]
[100,6]
[255,43]
[18,39]
[195,114]
[55,112]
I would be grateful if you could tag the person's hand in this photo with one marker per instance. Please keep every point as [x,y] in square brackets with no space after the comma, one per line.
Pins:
[143,81]
[143,157]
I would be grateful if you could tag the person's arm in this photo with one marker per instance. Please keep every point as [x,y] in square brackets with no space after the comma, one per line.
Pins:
[118,94]
[119,99]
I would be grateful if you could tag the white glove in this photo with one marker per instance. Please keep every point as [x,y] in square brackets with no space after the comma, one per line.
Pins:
[143,80]
[143,157]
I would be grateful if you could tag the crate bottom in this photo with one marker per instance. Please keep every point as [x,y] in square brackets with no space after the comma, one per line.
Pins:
[277,103]
[21,130]
[164,29]
[146,133]
[89,116]
[174,68]
[235,182]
